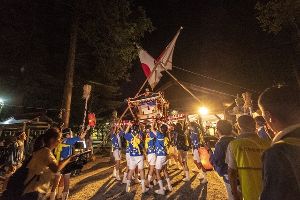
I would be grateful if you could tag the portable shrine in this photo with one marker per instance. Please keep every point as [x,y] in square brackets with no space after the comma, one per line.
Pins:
[149,105]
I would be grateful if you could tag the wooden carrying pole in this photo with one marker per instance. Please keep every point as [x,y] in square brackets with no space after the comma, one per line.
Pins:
[137,94]
[184,87]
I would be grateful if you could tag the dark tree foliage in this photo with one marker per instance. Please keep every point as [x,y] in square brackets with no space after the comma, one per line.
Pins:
[34,43]
[274,16]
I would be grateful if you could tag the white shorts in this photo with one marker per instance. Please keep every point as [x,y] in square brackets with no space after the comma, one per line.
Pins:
[136,161]
[160,162]
[128,159]
[196,155]
[117,154]
[151,158]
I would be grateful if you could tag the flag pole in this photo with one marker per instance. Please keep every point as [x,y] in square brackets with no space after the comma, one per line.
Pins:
[184,87]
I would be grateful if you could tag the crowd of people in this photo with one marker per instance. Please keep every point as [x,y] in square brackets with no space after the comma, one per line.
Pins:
[156,143]
[262,161]
[258,158]
[12,154]
[48,168]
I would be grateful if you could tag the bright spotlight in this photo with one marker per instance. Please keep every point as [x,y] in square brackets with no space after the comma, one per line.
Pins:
[203,111]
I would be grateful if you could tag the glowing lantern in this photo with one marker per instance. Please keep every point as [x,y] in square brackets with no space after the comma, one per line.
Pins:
[204,157]
[92,119]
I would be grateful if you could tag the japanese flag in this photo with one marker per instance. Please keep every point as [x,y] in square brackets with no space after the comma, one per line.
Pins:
[148,64]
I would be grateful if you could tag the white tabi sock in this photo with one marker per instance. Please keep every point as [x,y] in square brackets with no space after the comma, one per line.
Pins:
[143,185]
[125,178]
[128,186]
[149,178]
[160,183]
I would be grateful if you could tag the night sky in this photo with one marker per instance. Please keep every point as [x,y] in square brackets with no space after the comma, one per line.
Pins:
[221,39]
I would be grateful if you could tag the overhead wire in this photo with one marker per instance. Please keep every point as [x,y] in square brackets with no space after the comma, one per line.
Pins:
[214,79]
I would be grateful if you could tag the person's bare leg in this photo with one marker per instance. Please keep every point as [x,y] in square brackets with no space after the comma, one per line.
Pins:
[180,165]
[150,174]
[160,183]
[55,187]
[183,155]
[146,162]
[130,174]
[186,168]
[165,170]
[136,175]
[142,174]
[125,175]
[154,177]
[60,187]
[200,166]
[118,170]
[65,193]
[175,157]
[202,174]
[129,177]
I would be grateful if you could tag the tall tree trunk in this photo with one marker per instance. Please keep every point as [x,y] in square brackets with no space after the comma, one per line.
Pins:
[67,98]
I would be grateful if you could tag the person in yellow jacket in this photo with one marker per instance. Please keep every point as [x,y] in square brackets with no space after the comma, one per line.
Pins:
[244,160]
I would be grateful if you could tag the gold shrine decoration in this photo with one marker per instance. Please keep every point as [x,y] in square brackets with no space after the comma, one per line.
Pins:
[148,106]
[247,102]
[247,99]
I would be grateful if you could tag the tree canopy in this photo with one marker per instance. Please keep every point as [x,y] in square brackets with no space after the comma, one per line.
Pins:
[275,14]
[34,47]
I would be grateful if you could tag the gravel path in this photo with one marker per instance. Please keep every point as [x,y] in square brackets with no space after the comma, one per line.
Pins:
[96,183]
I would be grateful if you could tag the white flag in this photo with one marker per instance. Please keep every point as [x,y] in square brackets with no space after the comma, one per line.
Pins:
[165,59]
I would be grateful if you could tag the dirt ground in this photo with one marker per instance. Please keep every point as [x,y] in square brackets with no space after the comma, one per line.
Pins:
[96,183]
